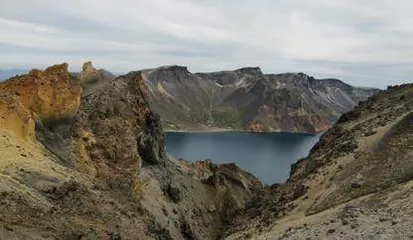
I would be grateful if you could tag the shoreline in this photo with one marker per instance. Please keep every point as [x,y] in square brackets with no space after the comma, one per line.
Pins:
[202,130]
[221,130]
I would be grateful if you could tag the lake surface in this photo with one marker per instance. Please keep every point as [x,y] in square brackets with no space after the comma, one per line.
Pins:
[266,155]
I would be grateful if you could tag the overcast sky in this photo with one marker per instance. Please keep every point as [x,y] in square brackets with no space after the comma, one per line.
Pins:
[363,42]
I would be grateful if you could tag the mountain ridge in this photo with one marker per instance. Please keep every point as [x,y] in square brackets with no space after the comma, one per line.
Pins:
[8,73]
[247,99]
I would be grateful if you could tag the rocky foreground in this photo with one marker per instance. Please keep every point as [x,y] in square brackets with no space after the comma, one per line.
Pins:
[94,166]
[83,157]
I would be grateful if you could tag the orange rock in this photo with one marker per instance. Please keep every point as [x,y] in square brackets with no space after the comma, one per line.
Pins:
[46,95]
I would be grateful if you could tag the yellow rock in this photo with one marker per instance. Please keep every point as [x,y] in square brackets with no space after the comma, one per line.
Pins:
[44,95]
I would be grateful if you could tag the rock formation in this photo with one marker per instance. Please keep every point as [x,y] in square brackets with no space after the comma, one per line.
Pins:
[46,96]
[94,166]
[247,99]
[91,78]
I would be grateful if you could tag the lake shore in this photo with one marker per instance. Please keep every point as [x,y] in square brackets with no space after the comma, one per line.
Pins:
[218,130]
[209,130]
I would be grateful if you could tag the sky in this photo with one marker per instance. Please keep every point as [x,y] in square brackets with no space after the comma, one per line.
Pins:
[362,42]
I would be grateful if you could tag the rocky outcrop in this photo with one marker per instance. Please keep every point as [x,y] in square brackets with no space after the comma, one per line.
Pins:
[45,96]
[117,113]
[356,178]
[92,78]
[95,166]
[247,99]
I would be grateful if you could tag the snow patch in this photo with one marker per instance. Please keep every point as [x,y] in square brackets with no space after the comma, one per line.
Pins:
[219,85]
[240,82]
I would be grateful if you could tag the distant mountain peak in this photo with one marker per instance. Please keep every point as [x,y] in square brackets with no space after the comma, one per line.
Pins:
[167,73]
[247,99]
[173,68]
[296,74]
[250,70]
[8,73]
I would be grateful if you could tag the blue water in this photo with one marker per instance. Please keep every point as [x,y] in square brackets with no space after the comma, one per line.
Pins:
[266,155]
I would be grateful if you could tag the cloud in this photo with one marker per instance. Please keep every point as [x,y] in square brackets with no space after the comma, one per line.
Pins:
[364,43]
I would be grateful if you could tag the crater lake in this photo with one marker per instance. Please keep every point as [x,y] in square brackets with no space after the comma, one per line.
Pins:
[266,155]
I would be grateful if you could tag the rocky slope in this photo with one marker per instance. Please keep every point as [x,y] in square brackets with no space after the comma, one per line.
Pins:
[355,184]
[248,99]
[94,166]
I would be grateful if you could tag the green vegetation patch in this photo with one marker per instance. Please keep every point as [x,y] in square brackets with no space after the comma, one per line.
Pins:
[227,117]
